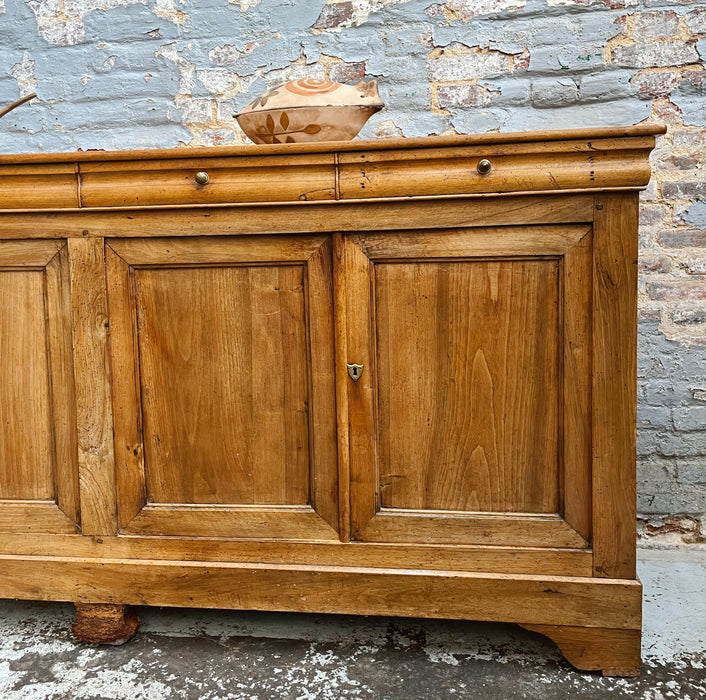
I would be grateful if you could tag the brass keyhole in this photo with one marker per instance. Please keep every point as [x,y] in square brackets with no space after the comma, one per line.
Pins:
[354,371]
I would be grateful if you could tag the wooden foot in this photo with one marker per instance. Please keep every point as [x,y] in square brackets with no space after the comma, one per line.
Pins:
[614,652]
[100,623]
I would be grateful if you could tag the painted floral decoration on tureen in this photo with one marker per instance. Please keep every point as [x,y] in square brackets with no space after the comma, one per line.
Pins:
[310,109]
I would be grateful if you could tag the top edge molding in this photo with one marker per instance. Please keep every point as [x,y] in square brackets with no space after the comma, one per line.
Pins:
[488,139]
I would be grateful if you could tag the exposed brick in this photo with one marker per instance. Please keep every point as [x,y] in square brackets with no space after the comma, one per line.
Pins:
[688,317]
[652,214]
[689,139]
[334,15]
[450,96]
[657,54]
[693,418]
[521,61]
[696,20]
[653,24]
[699,394]
[694,264]
[347,72]
[668,291]
[693,81]
[685,238]
[655,83]
[656,263]
[683,189]
[677,162]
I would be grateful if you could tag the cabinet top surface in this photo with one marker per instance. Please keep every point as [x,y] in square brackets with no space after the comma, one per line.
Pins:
[449,141]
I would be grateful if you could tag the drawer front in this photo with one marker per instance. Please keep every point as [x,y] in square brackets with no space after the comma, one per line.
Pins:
[38,186]
[208,181]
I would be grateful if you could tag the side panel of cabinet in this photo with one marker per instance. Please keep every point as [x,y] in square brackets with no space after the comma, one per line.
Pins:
[223,386]
[470,422]
[38,461]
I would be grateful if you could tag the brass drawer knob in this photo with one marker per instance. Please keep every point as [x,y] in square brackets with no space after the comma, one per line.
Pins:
[202,178]
[484,166]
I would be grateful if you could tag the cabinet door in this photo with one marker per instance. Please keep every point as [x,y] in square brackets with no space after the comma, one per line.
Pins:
[223,390]
[470,421]
[38,453]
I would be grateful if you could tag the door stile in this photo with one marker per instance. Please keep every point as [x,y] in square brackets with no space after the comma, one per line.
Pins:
[93,386]
[361,392]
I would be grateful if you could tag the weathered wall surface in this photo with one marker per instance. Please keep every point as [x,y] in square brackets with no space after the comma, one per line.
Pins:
[161,73]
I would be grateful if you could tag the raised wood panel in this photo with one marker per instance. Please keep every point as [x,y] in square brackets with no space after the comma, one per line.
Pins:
[466,390]
[26,460]
[223,386]
[467,385]
[38,466]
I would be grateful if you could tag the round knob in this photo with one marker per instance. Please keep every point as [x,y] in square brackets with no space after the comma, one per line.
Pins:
[484,166]
[201,178]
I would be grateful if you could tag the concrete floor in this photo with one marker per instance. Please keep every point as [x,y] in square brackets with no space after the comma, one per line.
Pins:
[223,654]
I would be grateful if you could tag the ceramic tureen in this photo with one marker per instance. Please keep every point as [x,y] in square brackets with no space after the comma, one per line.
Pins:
[310,110]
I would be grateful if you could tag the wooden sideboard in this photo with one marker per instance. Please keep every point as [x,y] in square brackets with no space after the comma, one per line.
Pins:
[388,377]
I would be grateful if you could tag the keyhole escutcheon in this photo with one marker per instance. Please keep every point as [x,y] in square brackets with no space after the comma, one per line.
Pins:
[354,371]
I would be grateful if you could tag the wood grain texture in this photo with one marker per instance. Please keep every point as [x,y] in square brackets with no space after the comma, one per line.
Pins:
[614,652]
[230,180]
[453,595]
[427,173]
[510,559]
[26,450]
[467,385]
[93,395]
[125,386]
[35,516]
[575,387]
[224,384]
[38,186]
[342,378]
[311,217]
[255,522]
[57,287]
[614,384]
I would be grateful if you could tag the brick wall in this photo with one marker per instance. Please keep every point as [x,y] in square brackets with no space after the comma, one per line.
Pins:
[162,73]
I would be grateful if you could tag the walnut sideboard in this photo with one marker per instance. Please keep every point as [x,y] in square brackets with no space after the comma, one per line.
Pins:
[388,377]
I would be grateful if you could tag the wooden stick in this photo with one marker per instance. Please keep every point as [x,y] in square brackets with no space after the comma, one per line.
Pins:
[19,102]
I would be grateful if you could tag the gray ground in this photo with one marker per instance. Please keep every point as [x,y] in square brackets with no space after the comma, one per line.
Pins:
[223,654]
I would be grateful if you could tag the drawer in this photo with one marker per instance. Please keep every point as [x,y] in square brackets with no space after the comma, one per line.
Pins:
[208,181]
[40,186]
